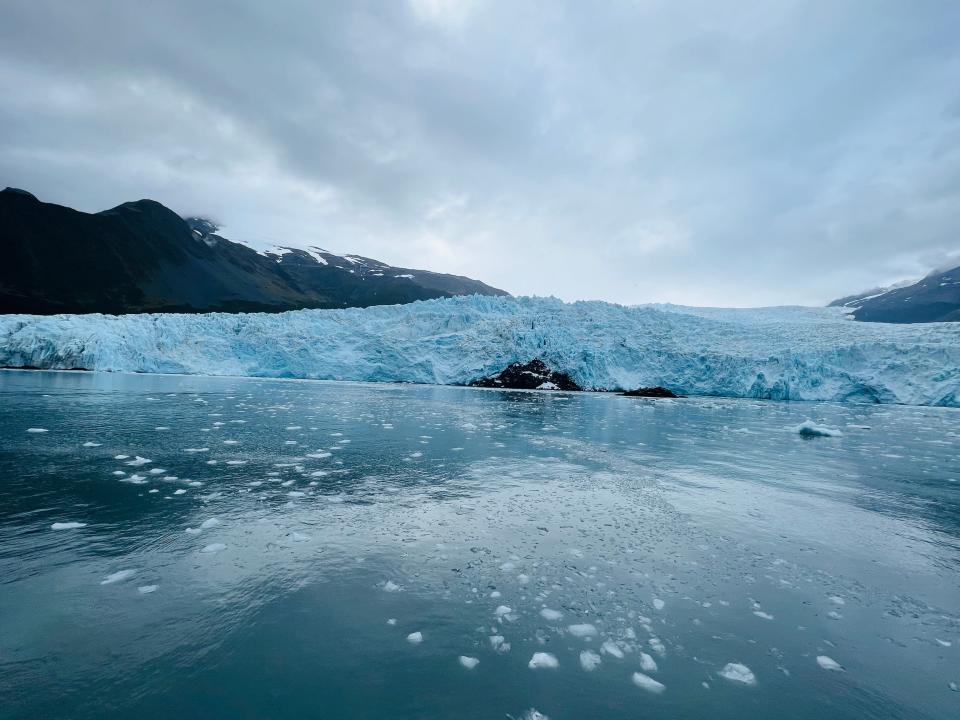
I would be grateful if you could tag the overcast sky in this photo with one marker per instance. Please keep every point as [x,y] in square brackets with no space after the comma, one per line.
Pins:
[709,153]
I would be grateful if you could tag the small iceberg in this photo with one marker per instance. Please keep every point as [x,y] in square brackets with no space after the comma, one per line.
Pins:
[808,428]
[543,660]
[739,673]
[645,682]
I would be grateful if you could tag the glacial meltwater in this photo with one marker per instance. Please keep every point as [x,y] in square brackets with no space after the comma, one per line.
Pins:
[188,547]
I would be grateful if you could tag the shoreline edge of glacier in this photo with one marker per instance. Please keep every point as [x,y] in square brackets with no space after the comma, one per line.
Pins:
[782,353]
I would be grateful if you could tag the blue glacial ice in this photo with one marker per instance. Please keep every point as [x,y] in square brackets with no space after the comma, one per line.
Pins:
[785,353]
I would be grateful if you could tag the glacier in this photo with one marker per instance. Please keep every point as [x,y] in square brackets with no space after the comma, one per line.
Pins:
[783,353]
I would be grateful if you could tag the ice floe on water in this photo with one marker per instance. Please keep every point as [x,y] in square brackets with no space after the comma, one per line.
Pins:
[582,630]
[609,647]
[808,428]
[147,589]
[645,682]
[589,660]
[828,663]
[738,673]
[118,576]
[468,662]
[67,525]
[415,638]
[138,461]
[391,586]
[37,430]
[543,660]
[647,663]
[91,444]
[551,615]
[498,644]
[213,548]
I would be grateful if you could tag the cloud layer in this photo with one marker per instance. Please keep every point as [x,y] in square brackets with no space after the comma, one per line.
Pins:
[692,152]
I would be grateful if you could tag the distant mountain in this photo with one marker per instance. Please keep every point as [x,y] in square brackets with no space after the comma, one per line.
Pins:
[143,257]
[935,298]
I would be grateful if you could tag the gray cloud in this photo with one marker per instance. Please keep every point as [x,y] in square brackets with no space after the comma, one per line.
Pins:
[765,153]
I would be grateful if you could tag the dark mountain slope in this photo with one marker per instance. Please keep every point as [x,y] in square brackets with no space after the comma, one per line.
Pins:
[142,257]
[935,298]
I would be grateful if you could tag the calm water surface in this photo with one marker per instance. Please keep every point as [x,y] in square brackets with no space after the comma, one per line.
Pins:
[278,545]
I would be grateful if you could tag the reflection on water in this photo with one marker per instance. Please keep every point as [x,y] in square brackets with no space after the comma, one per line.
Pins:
[246,548]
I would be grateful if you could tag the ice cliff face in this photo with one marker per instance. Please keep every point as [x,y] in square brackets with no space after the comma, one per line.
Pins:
[776,353]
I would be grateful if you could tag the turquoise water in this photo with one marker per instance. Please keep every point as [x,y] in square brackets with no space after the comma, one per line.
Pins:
[286,539]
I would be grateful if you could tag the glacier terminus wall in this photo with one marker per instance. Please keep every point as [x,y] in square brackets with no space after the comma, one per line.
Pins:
[787,353]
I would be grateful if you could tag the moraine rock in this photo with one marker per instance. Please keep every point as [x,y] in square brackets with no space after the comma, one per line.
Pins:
[534,375]
[651,392]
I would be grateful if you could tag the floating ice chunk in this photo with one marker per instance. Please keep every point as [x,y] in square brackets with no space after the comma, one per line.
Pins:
[837,600]
[37,430]
[91,444]
[533,714]
[647,663]
[582,630]
[944,643]
[468,662]
[214,548]
[415,638]
[495,594]
[118,473]
[192,531]
[293,427]
[647,683]
[498,643]
[548,614]
[120,457]
[391,621]
[391,586]
[157,471]
[658,604]
[147,589]
[236,462]
[196,450]
[318,455]
[762,614]
[523,579]
[179,491]
[295,494]
[737,672]
[609,647]
[67,525]
[118,576]
[834,615]
[828,663]
[808,428]
[543,660]
[161,428]
[209,523]
[502,610]
[138,461]
[657,645]
[589,660]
